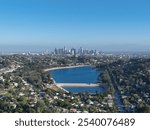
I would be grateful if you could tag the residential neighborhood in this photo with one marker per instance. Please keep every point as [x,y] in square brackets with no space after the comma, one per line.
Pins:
[25,87]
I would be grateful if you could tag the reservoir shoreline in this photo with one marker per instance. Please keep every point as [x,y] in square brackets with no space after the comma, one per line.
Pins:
[66,67]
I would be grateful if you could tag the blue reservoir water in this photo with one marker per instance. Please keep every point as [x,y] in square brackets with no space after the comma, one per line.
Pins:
[91,90]
[78,75]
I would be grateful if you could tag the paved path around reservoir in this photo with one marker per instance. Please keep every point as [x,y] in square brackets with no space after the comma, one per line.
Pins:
[76,85]
[66,67]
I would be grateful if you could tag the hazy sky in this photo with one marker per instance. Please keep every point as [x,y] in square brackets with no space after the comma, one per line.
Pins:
[113,25]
